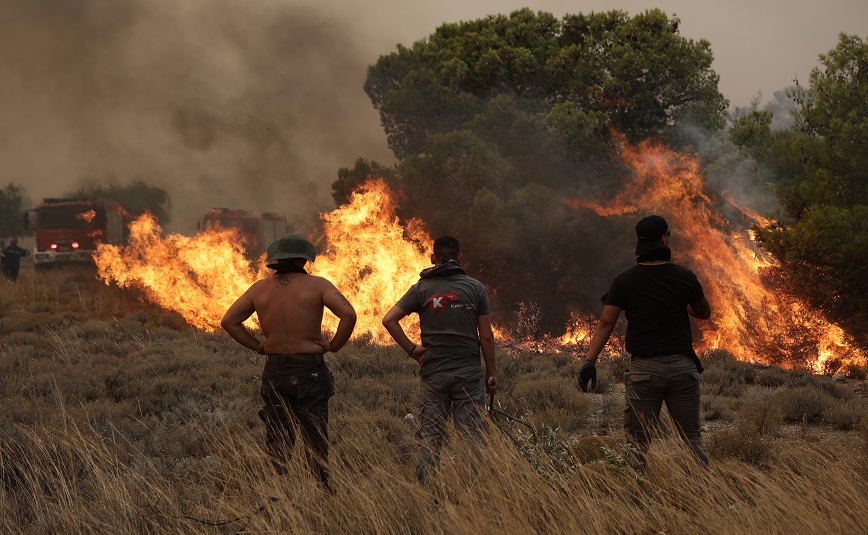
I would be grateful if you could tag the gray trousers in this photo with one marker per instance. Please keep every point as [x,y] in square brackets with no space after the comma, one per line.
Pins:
[652,381]
[459,394]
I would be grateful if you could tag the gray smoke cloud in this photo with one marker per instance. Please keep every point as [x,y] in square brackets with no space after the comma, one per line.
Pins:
[222,103]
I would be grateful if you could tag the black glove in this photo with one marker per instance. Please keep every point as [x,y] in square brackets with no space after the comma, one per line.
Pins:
[588,373]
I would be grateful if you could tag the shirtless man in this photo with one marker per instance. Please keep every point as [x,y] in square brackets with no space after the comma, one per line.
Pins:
[296,384]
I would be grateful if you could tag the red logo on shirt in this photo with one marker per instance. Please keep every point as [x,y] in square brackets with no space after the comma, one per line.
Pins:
[439,302]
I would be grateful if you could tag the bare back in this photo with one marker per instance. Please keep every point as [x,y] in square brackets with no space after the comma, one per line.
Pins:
[290,309]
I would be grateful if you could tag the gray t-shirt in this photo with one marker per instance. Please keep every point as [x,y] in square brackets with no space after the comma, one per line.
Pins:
[449,304]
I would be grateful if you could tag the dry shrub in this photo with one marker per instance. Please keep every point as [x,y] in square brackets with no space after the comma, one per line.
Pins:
[593,448]
[845,416]
[763,417]
[802,404]
[744,443]
[863,434]
[555,402]
[615,365]
[715,407]
[721,363]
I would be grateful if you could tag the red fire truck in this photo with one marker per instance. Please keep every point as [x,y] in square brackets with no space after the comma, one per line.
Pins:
[256,230]
[68,230]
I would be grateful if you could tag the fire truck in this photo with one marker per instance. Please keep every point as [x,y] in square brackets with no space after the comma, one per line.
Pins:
[68,230]
[256,230]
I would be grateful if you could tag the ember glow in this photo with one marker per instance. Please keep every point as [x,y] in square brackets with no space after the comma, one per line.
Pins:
[86,216]
[756,319]
[368,255]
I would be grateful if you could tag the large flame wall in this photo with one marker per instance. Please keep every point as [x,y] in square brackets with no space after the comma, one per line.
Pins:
[373,259]
[755,322]
[365,252]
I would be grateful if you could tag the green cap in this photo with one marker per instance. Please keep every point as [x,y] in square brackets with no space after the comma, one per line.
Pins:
[292,245]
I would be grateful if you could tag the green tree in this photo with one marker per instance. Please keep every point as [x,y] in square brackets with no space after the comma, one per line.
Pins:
[636,74]
[832,113]
[12,206]
[495,121]
[822,237]
[349,179]
[136,198]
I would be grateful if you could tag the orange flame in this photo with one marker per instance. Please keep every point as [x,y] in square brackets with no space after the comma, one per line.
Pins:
[750,319]
[365,252]
[371,258]
[86,216]
[198,277]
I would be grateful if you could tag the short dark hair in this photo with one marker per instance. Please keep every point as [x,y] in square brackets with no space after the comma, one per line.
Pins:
[446,248]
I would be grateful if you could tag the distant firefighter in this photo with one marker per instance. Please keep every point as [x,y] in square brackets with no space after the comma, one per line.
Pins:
[296,384]
[12,255]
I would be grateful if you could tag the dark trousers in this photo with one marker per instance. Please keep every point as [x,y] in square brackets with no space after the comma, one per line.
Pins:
[460,395]
[11,272]
[649,383]
[296,390]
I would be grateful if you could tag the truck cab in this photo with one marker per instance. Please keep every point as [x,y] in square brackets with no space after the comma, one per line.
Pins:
[67,231]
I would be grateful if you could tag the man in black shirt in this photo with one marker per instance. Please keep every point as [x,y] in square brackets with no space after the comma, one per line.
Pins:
[656,297]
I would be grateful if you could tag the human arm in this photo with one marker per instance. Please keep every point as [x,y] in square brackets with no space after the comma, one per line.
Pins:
[391,321]
[335,301]
[603,331]
[233,323]
[700,309]
[486,341]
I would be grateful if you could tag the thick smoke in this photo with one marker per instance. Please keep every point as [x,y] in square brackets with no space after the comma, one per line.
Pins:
[229,103]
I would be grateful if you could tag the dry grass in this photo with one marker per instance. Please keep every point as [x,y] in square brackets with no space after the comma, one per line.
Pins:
[116,418]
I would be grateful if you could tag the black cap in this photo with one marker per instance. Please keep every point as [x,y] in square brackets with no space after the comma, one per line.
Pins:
[649,231]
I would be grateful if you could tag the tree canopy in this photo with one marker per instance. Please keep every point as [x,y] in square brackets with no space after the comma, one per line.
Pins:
[495,121]
[12,206]
[821,165]
[577,77]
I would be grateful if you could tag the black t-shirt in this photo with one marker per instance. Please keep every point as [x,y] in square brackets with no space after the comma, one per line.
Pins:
[654,299]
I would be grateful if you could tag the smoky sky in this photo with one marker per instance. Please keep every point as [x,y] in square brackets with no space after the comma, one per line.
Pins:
[256,103]
[229,103]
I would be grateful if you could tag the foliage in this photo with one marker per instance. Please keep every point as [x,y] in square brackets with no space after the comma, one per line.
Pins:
[496,121]
[580,76]
[12,205]
[820,169]
[832,113]
[136,198]
[826,253]
[350,179]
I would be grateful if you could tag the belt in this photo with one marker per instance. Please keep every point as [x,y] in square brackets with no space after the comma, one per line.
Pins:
[311,358]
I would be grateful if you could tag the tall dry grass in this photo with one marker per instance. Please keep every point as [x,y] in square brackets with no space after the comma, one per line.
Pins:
[116,418]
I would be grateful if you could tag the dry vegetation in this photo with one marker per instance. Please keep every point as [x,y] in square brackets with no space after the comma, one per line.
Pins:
[117,418]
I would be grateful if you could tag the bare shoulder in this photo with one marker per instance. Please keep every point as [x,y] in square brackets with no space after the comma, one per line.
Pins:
[321,282]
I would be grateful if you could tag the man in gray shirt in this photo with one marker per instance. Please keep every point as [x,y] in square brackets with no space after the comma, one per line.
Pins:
[454,318]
